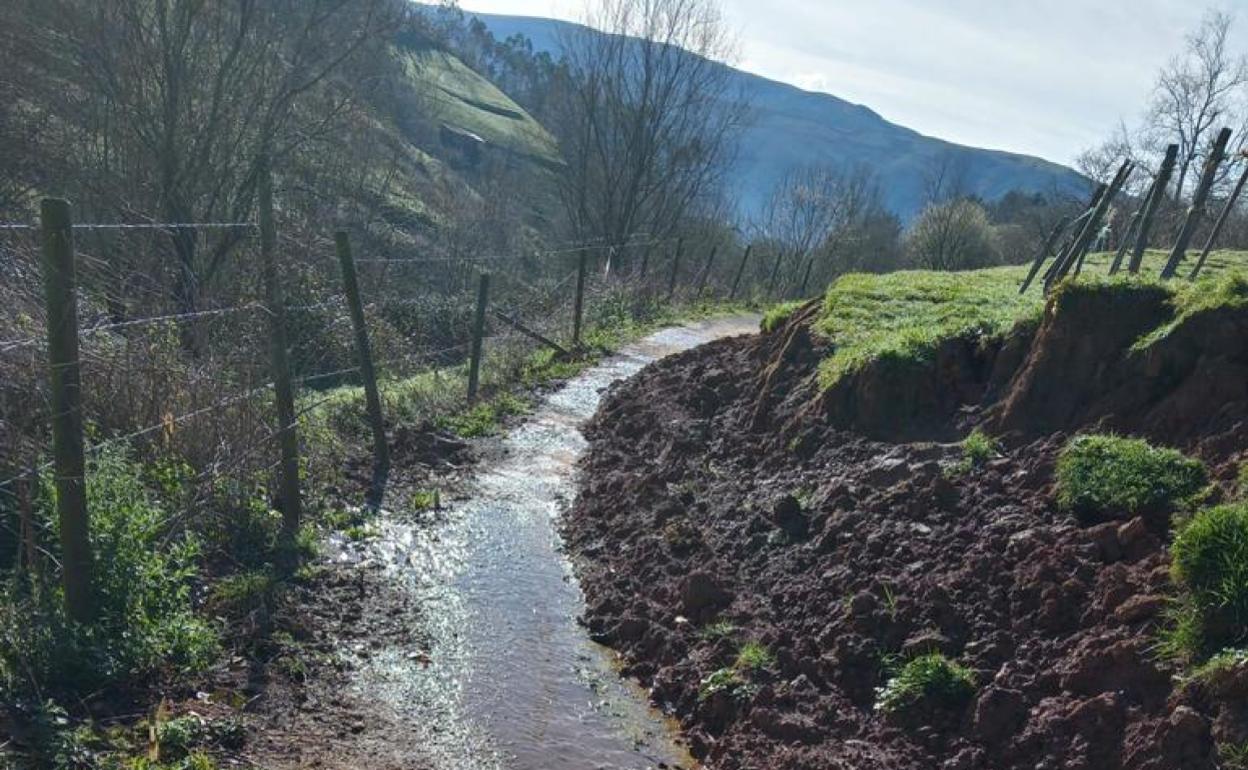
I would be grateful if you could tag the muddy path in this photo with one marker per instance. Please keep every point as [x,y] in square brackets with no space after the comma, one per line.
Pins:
[498,675]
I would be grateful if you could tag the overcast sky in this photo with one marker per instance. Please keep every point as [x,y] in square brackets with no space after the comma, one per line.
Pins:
[1043,77]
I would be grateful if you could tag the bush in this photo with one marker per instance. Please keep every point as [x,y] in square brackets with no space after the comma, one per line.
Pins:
[953,236]
[977,449]
[754,657]
[931,680]
[1098,473]
[143,572]
[1210,564]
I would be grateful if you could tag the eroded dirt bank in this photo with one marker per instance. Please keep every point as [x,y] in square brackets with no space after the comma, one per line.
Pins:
[721,505]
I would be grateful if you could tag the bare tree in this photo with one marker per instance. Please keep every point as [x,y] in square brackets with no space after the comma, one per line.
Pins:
[1198,92]
[649,115]
[946,178]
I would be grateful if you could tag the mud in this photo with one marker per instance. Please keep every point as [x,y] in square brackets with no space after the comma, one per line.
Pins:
[723,502]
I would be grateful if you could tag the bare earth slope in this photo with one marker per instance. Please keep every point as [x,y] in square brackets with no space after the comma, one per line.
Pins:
[721,507]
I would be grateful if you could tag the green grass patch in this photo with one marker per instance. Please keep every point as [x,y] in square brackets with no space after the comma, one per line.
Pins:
[1099,473]
[977,449]
[1210,566]
[721,629]
[929,680]
[754,656]
[903,317]
[485,418]
[777,315]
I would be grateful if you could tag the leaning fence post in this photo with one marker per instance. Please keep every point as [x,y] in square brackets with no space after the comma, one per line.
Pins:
[478,336]
[775,274]
[364,353]
[68,452]
[1151,205]
[1075,253]
[1197,210]
[736,281]
[283,388]
[1044,253]
[1217,227]
[578,306]
[706,271]
[810,264]
[671,285]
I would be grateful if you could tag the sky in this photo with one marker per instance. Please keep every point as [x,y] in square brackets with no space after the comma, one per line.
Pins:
[1042,77]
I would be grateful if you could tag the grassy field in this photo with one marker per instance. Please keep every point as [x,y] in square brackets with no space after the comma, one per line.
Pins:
[904,316]
[463,99]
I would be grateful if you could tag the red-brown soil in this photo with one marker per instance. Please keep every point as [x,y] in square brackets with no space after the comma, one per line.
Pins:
[720,489]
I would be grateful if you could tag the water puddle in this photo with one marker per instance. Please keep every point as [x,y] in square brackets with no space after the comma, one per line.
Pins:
[511,681]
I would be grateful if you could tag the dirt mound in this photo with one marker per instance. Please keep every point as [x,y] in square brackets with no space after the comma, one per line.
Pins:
[1119,359]
[838,552]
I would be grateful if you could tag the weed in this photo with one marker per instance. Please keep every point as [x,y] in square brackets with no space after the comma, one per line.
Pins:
[484,419]
[719,630]
[425,500]
[1219,666]
[1241,482]
[725,680]
[1098,473]
[890,601]
[754,657]
[242,594]
[177,737]
[1210,564]
[1233,756]
[930,679]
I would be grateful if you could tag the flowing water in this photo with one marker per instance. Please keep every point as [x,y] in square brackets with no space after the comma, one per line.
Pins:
[511,681]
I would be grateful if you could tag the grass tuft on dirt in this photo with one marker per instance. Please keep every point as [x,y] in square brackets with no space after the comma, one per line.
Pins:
[1105,473]
[1210,566]
[928,680]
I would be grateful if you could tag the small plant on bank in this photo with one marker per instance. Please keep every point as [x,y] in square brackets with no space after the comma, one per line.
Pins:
[1101,473]
[754,657]
[977,449]
[929,679]
[721,629]
[1241,482]
[426,500]
[485,418]
[1224,664]
[1210,565]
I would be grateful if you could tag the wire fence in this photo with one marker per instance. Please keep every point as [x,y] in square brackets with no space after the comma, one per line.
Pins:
[176,340]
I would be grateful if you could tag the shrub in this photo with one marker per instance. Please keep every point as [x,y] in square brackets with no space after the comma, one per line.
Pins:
[953,236]
[143,573]
[1210,563]
[1097,473]
[932,680]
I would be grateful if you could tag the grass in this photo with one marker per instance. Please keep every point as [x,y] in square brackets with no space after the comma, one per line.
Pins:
[927,680]
[1209,564]
[904,317]
[977,449]
[754,656]
[1100,473]
[485,418]
[461,98]
[778,314]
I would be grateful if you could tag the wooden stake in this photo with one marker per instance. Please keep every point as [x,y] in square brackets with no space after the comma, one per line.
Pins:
[1217,228]
[706,271]
[671,284]
[578,307]
[1151,206]
[68,452]
[283,387]
[364,354]
[736,281]
[1197,210]
[478,336]
[1081,244]
[1044,253]
[775,273]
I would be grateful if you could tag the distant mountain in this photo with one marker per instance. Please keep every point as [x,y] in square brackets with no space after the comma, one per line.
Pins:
[792,128]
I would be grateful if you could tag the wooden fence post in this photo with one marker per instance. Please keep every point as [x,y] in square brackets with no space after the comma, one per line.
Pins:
[578,307]
[736,281]
[775,274]
[68,451]
[706,271]
[1151,205]
[645,262]
[478,335]
[1044,253]
[1072,232]
[283,388]
[1197,209]
[810,264]
[1080,246]
[1126,240]
[364,353]
[1217,227]
[671,285]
